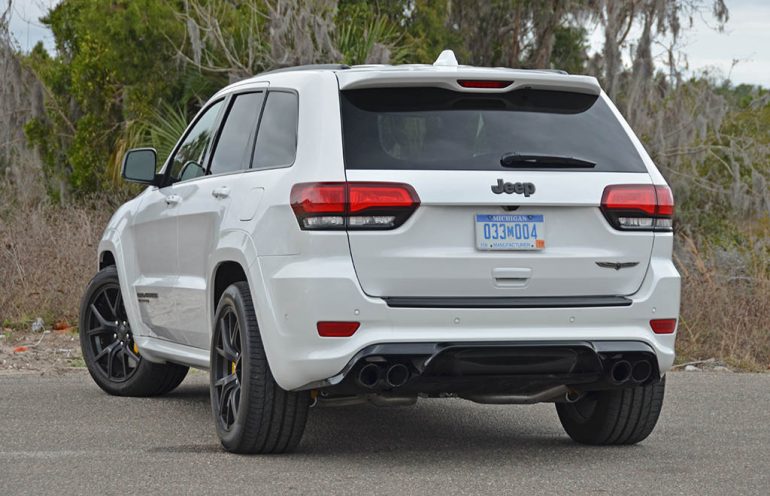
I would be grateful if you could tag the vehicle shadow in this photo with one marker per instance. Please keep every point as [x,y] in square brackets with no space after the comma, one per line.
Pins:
[439,427]
[432,430]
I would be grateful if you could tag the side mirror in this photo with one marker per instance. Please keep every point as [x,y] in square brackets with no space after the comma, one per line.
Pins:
[139,165]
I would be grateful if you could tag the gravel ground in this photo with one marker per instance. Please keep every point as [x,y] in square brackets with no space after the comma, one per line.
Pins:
[45,352]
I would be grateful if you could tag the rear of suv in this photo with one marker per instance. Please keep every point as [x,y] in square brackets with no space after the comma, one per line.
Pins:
[329,235]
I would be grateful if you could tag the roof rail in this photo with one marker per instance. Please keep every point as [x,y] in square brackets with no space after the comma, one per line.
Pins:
[309,67]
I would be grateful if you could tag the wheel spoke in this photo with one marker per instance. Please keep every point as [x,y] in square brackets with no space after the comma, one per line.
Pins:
[223,395]
[226,381]
[107,349]
[236,339]
[98,330]
[123,359]
[231,405]
[111,357]
[116,307]
[235,395]
[227,347]
[228,385]
[98,315]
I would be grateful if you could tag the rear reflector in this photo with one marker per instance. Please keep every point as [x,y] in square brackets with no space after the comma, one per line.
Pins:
[638,207]
[483,83]
[663,326]
[353,205]
[337,329]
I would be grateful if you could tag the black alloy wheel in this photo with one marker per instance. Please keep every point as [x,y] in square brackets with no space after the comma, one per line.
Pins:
[109,335]
[226,368]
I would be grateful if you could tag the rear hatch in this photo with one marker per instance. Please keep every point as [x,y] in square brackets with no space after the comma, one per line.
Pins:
[509,184]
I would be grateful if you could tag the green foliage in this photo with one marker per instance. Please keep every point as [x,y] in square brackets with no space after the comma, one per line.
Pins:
[570,49]
[164,129]
[361,27]
[428,29]
[114,64]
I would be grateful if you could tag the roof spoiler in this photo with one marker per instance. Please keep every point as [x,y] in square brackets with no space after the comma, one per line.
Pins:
[448,78]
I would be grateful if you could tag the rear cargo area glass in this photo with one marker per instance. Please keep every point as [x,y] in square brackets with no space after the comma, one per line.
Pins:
[438,129]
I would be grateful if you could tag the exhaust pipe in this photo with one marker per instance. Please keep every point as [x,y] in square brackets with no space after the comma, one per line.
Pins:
[641,371]
[518,399]
[620,371]
[369,375]
[397,375]
[361,399]
[573,396]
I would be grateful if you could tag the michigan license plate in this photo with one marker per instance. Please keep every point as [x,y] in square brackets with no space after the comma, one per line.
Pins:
[510,232]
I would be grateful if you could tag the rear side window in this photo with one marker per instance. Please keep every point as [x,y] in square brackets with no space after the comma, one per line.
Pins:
[435,128]
[233,149]
[277,137]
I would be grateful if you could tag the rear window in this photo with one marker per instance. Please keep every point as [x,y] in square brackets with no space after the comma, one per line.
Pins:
[439,129]
[277,137]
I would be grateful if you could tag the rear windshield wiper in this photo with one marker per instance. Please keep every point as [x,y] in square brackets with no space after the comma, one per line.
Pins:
[544,161]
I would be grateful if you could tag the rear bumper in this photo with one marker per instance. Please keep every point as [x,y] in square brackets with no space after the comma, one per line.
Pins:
[495,368]
[298,292]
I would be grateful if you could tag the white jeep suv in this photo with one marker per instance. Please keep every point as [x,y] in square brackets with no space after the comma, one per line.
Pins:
[325,235]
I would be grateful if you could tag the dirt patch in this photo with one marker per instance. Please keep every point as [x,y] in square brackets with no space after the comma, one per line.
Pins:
[44,352]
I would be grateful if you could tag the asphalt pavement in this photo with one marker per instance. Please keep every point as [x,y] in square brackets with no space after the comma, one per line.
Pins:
[62,435]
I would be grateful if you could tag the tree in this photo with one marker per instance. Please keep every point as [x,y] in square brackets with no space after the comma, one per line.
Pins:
[112,67]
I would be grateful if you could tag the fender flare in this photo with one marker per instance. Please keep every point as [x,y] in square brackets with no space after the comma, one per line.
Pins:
[238,246]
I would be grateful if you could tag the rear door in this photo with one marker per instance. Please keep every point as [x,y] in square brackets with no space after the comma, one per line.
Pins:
[510,186]
[205,213]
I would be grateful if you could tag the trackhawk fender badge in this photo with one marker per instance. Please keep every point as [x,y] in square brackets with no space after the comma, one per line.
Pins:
[145,297]
[617,265]
[501,187]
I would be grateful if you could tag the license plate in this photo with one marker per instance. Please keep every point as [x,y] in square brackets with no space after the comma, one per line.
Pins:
[510,232]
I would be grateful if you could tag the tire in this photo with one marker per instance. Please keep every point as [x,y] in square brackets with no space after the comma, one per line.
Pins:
[111,356]
[613,417]
[251,412]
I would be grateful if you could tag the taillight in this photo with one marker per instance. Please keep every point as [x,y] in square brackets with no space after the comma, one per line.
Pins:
[337,329]
[663,326]
[483,83]
[638,207]
[353,205]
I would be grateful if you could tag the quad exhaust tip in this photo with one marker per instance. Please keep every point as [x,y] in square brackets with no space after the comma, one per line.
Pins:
[369,375]
[623,371]
[620,371]
[641,371]
[372,375]
[397,375]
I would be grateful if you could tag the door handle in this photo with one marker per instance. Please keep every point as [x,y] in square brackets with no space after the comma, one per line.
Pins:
[172,200]
[220,192]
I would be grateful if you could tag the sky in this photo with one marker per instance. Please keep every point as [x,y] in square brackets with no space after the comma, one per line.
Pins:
[745,39]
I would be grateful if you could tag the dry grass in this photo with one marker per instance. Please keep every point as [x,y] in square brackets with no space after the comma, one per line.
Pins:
[727,320]
[48,255]
[725,305]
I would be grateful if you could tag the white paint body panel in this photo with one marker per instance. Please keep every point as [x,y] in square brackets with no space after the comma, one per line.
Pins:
[298,278]
[434,253]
